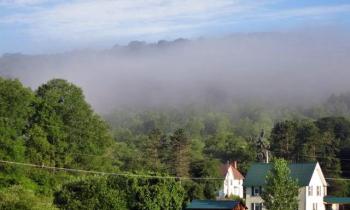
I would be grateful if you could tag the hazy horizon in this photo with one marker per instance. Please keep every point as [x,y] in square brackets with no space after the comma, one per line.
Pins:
[298,67]
[195,52]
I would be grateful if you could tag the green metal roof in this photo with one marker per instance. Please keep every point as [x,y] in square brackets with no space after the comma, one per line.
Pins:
[212,204]
[340,200]
[257,173]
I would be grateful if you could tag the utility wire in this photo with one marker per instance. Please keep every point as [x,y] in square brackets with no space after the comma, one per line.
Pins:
[128,174]
[107,173]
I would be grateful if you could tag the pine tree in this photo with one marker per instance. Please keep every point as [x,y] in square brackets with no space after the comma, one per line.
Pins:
[180,160]
[283,140]
[152,150]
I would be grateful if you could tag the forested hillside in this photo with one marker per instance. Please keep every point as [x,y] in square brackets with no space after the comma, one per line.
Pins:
[139,152]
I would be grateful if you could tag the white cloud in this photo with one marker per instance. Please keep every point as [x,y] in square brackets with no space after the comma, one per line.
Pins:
[308,11]
[122,17]
[89,20]
[16,3]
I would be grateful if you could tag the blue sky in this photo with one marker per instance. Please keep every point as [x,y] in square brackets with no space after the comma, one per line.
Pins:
[41,26]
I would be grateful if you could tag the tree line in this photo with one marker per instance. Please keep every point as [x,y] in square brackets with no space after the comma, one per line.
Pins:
[54,126]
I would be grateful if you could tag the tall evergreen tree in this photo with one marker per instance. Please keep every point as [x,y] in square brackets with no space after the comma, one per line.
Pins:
[283,140]
[180,160]
[152,149]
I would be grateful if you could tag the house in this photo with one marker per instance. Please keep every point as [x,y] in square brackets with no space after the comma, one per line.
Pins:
[233,181]
[215,204]
[312,185]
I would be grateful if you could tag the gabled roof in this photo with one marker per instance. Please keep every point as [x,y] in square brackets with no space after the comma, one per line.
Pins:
[225,167]
[237,174]
[257,173]
[212,204]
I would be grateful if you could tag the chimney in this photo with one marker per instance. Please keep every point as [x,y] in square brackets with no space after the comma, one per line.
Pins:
[235,164]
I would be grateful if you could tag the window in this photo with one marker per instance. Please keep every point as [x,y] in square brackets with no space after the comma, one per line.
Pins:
[235,191]
[318,190]
[310,191]
[231,182]
[256,191]
[314,206]
[256,206]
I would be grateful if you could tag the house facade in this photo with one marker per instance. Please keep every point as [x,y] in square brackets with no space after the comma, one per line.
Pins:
[311,181]
[233,181]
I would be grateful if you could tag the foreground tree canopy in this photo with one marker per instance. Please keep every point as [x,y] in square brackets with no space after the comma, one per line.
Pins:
[121,193]
[281,190]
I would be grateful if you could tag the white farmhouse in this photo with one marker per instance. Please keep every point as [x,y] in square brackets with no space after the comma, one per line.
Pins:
[233,181]
[312,185]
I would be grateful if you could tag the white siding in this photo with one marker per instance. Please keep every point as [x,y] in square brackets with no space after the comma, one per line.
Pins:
[231,186]
[314,199]
[252,199]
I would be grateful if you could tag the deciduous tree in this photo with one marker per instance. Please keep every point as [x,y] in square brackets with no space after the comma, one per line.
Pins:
[281,190]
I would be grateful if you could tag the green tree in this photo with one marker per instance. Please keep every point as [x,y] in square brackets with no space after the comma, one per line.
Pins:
[16,197]
[91,193]
[121,192]
[155,194]
[72,128]
[281,190]
[180,158]
[205,168]
[283,140]
[152,147]
[308,140]
[15,110]
[335,132]
[38,149]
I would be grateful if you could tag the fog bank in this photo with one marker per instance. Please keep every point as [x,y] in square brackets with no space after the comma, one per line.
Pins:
[290,68]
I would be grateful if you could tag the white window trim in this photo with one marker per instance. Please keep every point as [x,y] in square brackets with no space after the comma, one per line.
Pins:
[255,206]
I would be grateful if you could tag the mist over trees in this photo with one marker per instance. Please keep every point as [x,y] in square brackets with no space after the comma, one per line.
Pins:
[179,108]
[288,68]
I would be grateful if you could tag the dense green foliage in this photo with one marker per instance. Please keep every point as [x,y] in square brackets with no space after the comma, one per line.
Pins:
[64,124]
[121,193]
[92,193]
[281,191]
[321,140]
[54,126]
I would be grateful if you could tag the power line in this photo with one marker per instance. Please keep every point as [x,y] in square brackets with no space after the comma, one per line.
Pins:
[129,174]
[107,173]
